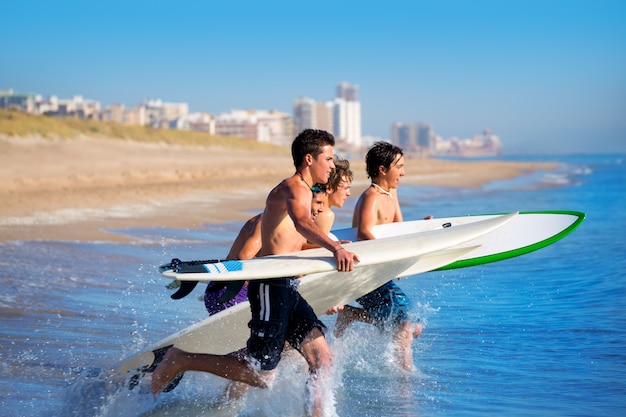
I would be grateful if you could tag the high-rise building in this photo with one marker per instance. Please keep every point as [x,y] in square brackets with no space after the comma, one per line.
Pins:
[347,92]
[347,115]
[311,114]
[304,114]
[425,136]
[403,135]
[342,116]
[413,136]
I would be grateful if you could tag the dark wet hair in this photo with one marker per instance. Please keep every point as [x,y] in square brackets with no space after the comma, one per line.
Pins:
[381,154]
[342,169]
[310,141]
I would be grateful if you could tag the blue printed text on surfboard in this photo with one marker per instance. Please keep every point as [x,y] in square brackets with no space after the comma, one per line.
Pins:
[223,267]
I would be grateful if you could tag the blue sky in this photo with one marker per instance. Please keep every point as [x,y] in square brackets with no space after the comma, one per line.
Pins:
[546,76]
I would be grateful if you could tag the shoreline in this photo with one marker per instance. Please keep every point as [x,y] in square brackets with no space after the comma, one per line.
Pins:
[71,190]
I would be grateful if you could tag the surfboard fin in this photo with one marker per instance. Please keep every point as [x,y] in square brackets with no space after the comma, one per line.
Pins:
[184,289]
[185,267]
[232,289]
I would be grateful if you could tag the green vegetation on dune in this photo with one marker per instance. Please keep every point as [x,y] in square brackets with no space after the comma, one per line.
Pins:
[18,124]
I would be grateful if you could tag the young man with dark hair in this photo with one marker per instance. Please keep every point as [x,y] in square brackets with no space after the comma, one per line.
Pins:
[337,192]
[279,313]
[386,306]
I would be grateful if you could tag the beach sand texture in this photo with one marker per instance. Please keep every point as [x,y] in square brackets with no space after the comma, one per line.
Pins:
[72,189]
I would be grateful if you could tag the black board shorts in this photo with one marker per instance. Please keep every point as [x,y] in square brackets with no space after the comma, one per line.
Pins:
[279,314]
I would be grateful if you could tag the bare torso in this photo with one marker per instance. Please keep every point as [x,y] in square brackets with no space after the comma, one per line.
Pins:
[374,207]
[278,231]
[248,242]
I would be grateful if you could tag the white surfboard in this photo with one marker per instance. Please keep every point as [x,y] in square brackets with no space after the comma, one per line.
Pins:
[227,331]
[381,260]
[527,232]
[386,249]
[514,237]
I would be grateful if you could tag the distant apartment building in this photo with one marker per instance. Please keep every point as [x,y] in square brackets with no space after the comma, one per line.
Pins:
[46,105]
[160,114]
[264,126]
[135,116]
[154,113]
[113,113]
[305,114]
[200,122]
[312,114]
[76,106]
[9,99]
[347,91]
[417,137]
[347,115]
[118,113]
[420,138]
[341,116]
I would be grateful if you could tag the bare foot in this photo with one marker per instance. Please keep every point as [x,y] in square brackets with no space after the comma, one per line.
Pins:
[166,371]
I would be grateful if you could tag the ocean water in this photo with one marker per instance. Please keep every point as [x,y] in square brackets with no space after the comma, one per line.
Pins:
[543,334]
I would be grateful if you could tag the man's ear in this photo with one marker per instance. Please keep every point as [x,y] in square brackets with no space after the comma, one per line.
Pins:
[308,159]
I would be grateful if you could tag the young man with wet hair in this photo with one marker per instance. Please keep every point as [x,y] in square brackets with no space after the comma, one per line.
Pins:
[386,307]
[337,192]
[279,313]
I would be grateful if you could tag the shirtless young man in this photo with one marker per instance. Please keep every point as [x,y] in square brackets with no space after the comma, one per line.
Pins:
[337,192]
[247,245]
[279,313]
[378,204]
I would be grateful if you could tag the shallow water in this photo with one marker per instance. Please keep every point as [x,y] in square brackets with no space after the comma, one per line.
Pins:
[542,334]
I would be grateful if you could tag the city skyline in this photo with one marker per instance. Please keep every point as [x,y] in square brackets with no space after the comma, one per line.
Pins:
[546,77]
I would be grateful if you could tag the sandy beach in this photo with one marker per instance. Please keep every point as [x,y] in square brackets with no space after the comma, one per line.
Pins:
[78,189]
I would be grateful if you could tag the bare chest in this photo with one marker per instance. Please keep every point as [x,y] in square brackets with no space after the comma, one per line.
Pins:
[386,209]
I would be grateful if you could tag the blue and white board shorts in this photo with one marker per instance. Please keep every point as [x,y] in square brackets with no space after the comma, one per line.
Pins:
[387,305]
[279,314]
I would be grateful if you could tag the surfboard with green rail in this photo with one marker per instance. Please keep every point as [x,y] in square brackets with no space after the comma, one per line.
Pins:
[527,232]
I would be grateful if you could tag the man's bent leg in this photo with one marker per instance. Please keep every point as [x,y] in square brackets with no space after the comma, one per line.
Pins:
[348,315]
[232,367]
